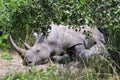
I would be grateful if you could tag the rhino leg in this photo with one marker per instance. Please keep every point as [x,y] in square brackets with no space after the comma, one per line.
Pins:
[61,59]
[98,48]
[80,53]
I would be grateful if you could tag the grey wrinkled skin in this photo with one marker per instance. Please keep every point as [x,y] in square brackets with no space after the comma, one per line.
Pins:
[59,40]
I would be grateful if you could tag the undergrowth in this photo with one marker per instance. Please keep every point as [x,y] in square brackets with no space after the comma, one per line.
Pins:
[95,68]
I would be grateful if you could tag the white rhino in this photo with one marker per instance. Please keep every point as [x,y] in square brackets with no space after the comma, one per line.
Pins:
[60,39]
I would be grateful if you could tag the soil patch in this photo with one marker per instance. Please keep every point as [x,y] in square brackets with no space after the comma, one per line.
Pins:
[14,65]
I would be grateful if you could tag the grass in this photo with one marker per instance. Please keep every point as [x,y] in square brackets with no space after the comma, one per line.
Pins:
[95,68]
[6,56]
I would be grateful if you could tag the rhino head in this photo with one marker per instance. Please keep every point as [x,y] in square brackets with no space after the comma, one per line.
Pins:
[37,54]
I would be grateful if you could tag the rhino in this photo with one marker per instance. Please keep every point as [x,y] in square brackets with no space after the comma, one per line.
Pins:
[62,39]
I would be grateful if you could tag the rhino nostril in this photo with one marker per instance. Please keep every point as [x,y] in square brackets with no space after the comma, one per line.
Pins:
[29,62]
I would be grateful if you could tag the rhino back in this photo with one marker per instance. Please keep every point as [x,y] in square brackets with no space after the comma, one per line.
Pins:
[64,37]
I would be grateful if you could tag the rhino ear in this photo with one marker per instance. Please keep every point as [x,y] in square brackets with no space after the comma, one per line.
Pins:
[40,38]
[35,34]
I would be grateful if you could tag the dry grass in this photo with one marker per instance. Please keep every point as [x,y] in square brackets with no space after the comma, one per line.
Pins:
[95,68]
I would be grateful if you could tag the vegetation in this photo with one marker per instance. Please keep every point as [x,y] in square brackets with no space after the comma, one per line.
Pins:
[21,18]
[6,56]
[101,70]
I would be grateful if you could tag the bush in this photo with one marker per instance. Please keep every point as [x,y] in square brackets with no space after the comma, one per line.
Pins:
[22,17]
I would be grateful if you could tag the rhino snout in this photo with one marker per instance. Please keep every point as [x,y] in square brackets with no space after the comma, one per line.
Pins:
[28,62]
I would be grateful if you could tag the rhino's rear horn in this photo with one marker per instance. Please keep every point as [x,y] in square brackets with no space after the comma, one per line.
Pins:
[27,46]
[18,49]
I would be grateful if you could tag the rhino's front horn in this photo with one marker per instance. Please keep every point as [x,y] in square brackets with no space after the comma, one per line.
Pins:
[18,49]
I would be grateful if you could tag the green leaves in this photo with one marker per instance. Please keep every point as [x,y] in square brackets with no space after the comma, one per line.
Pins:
[6,56]
[1,3]
[50,73]
[3,39]
[21,17]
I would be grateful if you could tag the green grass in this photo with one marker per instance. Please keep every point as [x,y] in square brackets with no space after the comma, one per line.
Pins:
[6,56]
[43,74]
[95,68]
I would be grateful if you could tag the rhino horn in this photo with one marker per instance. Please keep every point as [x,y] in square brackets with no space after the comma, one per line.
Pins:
[27,46]
[20,51]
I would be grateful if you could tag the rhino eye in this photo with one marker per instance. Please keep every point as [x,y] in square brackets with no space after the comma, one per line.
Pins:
[37,50]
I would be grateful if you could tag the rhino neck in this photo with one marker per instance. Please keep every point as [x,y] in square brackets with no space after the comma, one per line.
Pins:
[54,47]
[50,48]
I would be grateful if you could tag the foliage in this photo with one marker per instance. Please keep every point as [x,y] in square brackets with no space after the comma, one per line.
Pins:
[7,8]
[101,70]
[28,16]
[3,39]
[6,56]
[43,74]
[23,17]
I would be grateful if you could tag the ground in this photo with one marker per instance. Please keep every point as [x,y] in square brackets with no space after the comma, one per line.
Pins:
[14,65]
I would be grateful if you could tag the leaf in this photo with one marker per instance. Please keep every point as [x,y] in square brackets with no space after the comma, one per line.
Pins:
[1,3]
[6,56]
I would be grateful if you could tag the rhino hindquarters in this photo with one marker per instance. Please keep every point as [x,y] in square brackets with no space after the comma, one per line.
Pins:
[96,49]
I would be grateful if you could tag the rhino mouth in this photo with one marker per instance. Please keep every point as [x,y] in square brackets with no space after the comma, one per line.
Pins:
[41,62]
[30,63]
